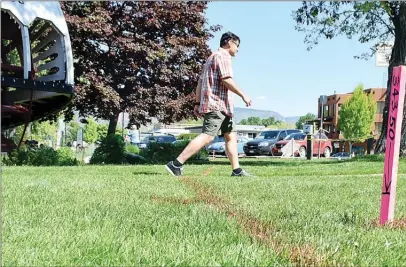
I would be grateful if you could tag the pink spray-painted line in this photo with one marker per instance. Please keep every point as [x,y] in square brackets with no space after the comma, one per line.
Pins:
[393,136]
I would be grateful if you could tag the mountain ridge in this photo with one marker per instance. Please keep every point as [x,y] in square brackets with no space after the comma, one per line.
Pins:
[244,113]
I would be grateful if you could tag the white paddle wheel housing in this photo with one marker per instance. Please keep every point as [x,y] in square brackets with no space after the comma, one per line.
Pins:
[36,63]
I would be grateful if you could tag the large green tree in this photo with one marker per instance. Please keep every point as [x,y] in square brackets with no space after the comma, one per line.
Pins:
[302,120]
[375,21]
[357,116]
[141,57]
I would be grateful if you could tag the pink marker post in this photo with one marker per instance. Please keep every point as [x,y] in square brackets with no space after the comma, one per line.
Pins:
[393,136]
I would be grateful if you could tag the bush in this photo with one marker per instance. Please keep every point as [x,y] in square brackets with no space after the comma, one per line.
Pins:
[45,156]
[164,152]
[188,136]
[66,157]
[42,156]
[19,157]
[110,151]
[132,149]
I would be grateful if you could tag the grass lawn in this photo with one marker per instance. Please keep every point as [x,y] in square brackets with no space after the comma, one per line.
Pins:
[295,212]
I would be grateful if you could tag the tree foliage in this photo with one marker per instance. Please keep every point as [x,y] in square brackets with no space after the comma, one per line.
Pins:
[142,57]
[258,121]
[302,120]
[373,22]
[72,131]
[357,115]
[90,134]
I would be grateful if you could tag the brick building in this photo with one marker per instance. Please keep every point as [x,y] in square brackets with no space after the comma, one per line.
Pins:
[332,107]
[330,117]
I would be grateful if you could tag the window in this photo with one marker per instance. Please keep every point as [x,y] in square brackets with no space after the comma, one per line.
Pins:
[378,127]
[331,110]
[293,131]
[379,107]
[325,111]
[282,135]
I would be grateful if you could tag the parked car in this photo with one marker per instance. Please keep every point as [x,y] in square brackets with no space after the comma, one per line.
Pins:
[219,147]
[265,141]
[300,139]
[157,139]
[341,155]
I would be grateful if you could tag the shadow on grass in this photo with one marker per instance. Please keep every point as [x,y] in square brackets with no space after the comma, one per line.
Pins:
[147,173]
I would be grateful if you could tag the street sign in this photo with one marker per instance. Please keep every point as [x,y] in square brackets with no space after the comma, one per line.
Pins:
[393,137]
[382,54]
[308,129]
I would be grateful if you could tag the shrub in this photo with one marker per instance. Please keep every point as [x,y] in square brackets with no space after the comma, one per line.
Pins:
[45,156]
[188,136]
[132,149]
[110,151]
[19,157]
[163,152]
[66,157]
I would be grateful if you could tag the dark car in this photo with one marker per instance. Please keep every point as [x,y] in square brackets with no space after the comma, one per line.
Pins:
[157,139]
[265,141]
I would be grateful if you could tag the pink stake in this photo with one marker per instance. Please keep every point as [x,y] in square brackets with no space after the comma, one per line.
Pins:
[393,136]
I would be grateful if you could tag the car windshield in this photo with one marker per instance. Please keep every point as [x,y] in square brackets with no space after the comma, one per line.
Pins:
[165,139]
[268,135]
[295,136]
[218,139]
[320,136]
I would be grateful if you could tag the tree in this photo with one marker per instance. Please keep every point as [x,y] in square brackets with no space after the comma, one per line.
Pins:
[243,122]
[41,131]
[302,120]
[90,134]
[141,57]
[254,121]
[357,116]
[72,131]
[268,121]
[376,21]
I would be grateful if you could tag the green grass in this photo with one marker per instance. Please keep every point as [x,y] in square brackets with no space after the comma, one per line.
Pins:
[294,212]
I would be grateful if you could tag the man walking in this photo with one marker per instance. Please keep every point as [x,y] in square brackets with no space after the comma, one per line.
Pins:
[214,101]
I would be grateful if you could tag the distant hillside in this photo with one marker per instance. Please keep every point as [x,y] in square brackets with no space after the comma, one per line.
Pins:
[244,113]
[292,119]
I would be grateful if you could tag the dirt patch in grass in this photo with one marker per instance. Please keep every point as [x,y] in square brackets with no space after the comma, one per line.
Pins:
[263,232]
[396,224]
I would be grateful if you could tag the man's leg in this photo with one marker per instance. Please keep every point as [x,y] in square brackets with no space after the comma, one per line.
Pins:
[211,125]
[228,128]
[194,146]
[231,149]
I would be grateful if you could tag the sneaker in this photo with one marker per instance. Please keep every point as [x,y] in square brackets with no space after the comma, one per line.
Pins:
[242,173]
[172,169]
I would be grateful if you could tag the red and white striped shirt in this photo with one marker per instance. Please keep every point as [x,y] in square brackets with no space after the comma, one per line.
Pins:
[214,95]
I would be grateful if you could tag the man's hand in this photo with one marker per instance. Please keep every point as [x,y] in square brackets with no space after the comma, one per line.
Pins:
[247,100]
[196,111]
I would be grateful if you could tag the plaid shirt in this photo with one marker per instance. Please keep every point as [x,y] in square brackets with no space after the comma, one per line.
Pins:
[214,95]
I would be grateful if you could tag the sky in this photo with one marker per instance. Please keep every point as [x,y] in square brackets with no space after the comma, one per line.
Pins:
[273,65]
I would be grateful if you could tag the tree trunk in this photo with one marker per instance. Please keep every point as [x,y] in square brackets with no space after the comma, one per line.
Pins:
[398,57]
[113,124]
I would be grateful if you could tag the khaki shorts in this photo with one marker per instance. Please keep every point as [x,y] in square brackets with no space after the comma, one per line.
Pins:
[217,123]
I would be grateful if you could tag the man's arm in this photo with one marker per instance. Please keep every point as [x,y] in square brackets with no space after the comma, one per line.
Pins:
[232,86]
[198,91]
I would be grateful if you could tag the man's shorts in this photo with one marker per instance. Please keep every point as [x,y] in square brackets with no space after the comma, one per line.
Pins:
[217,123]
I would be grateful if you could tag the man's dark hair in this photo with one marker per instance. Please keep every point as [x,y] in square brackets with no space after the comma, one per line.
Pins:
[227,37]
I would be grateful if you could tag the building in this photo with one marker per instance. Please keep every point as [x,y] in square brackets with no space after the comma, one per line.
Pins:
[330,110]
